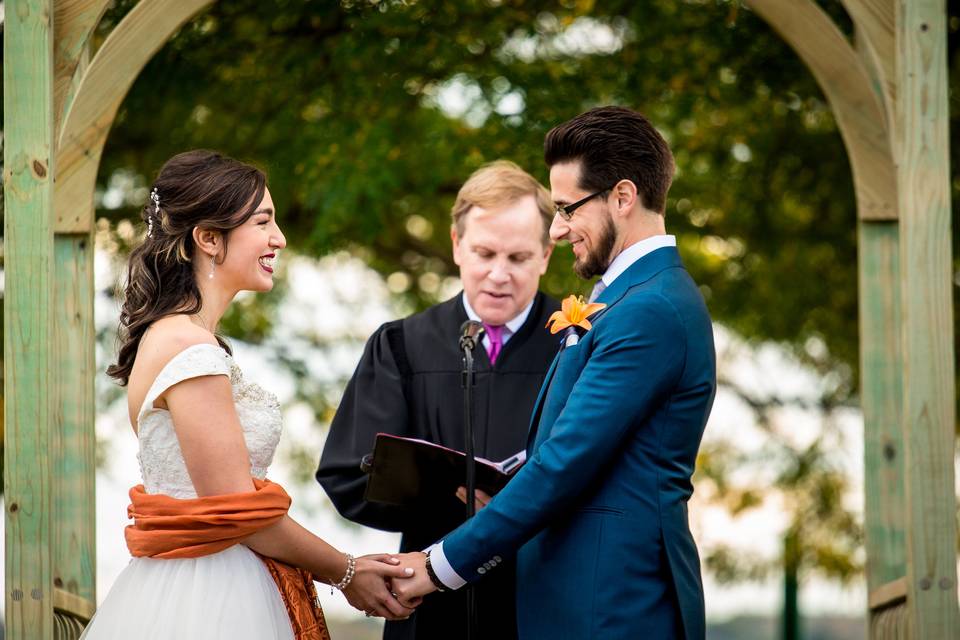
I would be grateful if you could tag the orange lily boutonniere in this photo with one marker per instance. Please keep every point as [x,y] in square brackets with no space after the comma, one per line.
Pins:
[573,313]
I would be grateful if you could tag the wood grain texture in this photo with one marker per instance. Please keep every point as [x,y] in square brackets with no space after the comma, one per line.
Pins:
[72,604]
[108,78]
[28,265]
[887,595]
[73,23]
[74,439]
[874,20]
[881,392]
[847,85]
[927,314]
[891,623]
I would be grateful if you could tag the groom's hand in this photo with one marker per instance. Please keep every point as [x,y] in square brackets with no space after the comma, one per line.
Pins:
[480,498]
[370,590]
[410,591]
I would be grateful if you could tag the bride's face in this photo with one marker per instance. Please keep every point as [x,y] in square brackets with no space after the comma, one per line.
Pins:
[252,251]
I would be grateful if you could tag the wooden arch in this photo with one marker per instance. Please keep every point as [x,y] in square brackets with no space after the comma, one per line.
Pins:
[888,91]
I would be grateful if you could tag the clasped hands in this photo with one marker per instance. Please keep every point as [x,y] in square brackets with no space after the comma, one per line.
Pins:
[389,585]
[411,590]
[393,585]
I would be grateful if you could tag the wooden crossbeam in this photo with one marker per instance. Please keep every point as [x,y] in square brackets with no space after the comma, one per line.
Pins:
[108,78]
[887,595]
[73,604]
[73,24]
[847,85]
[874,20]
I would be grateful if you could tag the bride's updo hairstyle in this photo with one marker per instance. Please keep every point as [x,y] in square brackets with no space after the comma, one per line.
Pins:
[194,189]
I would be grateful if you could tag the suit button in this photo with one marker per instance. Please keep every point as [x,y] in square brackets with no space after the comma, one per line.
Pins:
[487,565]
[497,559]
[481,571]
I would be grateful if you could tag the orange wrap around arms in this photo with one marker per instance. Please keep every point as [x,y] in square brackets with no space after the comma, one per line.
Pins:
[166,527]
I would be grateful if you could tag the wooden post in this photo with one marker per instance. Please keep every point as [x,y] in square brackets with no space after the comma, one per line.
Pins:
[74,438]
[28,315]
[881,391]
[923,180]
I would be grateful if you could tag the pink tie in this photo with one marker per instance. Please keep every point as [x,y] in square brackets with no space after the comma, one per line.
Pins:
[495,336]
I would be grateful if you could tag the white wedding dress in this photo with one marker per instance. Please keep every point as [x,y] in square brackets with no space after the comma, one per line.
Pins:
[228,595]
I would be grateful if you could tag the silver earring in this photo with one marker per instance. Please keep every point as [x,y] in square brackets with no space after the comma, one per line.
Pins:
[213,265]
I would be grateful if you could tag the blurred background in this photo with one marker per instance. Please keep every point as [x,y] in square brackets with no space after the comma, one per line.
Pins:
[369,114]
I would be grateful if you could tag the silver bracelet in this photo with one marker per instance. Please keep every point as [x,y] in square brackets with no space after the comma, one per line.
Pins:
[348,576]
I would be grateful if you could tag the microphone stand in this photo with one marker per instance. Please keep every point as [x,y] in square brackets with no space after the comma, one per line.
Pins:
[468,380]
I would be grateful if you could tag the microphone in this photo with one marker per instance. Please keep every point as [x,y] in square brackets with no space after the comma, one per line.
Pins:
[469,334]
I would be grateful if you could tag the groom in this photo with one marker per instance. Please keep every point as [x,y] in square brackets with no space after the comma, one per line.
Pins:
[598,515]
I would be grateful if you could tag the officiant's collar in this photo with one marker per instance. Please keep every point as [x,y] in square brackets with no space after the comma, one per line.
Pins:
[512,326]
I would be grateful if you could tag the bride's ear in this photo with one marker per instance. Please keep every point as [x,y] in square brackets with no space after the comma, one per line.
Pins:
[209,241]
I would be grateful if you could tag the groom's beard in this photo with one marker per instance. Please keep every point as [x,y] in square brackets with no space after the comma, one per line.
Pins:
[597,261]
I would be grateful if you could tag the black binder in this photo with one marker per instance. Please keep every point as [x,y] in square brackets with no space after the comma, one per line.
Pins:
[407,472]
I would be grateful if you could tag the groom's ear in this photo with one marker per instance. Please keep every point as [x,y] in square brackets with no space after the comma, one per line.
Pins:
[626,196]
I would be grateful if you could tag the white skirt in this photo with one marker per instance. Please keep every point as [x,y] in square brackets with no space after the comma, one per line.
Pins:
[228,595]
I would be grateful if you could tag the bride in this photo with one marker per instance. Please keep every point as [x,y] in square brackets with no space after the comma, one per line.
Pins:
[215,555]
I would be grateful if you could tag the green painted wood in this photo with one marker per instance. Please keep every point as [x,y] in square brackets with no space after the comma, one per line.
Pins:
[74,439]
[881,394]
[28,262]
[925,275]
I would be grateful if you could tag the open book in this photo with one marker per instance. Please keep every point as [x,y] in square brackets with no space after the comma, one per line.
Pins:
[407,471]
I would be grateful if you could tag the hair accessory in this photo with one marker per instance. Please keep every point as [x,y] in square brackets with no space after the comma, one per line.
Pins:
[155,197]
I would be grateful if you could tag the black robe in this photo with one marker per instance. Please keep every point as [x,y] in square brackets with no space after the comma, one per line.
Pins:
[408,383]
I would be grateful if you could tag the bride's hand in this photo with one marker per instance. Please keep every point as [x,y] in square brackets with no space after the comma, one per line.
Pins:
[369,591]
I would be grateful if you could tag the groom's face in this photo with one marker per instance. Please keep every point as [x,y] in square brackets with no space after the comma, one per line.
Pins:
[590,230]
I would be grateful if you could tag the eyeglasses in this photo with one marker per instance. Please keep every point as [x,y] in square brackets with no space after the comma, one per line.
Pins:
[565,211]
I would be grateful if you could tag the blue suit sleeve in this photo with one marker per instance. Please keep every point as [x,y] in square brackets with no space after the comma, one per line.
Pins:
[638,355]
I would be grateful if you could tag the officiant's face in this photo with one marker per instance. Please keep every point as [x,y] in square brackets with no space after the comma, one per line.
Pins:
[501,258]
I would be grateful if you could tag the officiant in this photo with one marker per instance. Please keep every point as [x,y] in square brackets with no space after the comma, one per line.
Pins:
[408,383]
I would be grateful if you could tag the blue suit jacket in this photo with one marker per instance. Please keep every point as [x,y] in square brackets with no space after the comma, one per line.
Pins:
[599,511]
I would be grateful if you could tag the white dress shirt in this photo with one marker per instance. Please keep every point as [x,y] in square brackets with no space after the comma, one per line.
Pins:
[510,328]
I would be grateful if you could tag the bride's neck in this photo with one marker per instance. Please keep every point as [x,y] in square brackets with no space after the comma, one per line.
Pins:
[214,302]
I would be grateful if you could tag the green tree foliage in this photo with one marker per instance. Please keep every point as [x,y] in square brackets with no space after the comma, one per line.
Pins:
[340,104]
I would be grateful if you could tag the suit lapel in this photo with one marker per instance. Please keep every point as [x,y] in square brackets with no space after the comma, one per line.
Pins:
[541,397]
[639,272]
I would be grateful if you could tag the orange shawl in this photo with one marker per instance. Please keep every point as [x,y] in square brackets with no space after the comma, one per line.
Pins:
[165,527]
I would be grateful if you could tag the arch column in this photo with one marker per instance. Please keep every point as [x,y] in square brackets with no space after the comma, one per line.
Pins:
[891,109]
[55,132]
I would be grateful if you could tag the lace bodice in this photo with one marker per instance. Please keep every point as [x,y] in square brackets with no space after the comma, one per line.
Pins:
[161,462]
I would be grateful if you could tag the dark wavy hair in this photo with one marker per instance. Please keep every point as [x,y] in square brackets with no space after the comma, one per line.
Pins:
[614,144]
[195,189]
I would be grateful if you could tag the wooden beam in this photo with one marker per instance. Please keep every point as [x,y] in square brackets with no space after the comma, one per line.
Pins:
[881,392]
[887,595]
[73,449]
[926,277]
[73,24]
[874,20]
[111,73]
[72,604]
[847,85]
[27,310]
